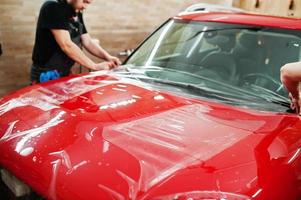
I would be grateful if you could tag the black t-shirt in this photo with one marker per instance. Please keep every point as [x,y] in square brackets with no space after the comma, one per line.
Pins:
[47,55]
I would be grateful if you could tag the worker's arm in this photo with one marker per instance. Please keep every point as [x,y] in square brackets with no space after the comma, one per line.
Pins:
[291,77]
[95,49]
[63,39]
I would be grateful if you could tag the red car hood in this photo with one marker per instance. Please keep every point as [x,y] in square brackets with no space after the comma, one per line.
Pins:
[98,137]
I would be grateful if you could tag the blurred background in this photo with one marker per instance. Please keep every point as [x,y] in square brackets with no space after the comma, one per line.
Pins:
[118,25]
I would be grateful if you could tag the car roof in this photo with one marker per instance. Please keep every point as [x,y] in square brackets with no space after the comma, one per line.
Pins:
[243,18]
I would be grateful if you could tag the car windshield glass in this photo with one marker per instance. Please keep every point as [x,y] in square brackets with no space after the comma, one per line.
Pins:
[225,58]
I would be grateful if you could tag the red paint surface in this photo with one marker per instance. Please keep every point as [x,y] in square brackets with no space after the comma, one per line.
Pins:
[246,19]
[101,138]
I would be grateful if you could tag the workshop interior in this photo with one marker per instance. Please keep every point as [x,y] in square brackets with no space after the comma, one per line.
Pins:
[150,100]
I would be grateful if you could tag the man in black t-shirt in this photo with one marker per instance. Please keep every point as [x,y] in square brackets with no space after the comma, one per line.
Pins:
[60,34]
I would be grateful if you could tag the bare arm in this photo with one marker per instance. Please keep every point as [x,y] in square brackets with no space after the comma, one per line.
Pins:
[290,77]
[95,49]
[62,37]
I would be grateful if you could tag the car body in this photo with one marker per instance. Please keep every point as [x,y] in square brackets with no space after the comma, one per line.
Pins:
[117,135]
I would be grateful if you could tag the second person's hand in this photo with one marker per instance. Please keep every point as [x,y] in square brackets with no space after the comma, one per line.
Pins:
[295,104]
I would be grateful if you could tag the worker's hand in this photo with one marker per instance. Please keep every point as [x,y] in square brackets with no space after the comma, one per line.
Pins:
[115,60]
[295,104]
[104,66]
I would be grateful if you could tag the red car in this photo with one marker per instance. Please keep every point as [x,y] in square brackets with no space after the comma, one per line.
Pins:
[197,112]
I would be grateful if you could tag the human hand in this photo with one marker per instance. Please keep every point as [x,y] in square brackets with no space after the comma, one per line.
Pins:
[115,60]
[295,104]
[104,66]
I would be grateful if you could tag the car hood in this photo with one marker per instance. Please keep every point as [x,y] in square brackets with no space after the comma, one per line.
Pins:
[102,137]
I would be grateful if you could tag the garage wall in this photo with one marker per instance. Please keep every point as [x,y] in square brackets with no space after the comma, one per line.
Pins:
[290,8]
[117,24]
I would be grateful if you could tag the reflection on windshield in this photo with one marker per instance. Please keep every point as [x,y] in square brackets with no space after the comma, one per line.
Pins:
[247,59]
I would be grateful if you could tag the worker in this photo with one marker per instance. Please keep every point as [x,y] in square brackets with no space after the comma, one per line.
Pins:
[60,34]
[291,77]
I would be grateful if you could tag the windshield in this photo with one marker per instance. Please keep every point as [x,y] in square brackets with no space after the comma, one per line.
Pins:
[237,63]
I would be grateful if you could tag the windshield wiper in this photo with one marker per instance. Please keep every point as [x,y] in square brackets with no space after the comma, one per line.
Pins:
[271,96]
[236,94]
[225,96]
[193,88]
